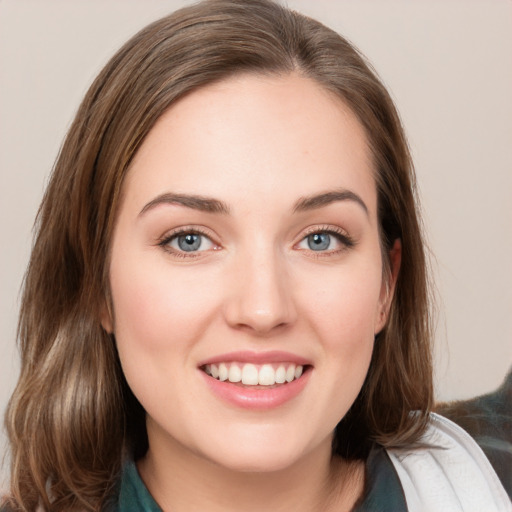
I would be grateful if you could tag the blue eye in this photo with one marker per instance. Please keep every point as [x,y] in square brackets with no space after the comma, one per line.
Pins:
[188,242]
[326,241]
[319,241]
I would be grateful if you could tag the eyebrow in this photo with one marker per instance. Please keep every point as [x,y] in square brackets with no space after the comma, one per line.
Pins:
[210,205]
[326,198]
[204,204]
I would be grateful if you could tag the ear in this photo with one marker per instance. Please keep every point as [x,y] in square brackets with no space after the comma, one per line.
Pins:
[388,286]
[106,316]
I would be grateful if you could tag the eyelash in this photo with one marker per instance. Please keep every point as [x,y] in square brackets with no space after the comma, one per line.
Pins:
[342,237]
[345,239]
[169,237]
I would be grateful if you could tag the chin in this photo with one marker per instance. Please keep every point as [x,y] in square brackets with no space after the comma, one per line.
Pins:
[254,461]
[256,453]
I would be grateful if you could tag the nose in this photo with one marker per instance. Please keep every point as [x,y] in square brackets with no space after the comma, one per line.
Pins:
[261,298]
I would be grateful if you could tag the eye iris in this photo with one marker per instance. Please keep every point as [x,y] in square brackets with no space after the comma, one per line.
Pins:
[319,241]
[189,242]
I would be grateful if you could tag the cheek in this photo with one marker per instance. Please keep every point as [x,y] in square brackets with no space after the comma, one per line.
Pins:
[345,323]
[151,302]
[156,325]
[343,314]
[142,310]
[346,307]
[158,317]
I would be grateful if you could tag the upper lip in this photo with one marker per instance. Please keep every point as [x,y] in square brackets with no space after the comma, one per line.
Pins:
[247,356]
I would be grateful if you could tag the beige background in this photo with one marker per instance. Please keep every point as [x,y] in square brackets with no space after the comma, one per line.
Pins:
[448,66]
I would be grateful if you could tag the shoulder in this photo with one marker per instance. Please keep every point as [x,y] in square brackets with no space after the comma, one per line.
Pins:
[449,471]
[383,491]
[488,420]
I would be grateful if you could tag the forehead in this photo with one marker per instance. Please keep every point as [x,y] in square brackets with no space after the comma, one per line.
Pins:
[253,135]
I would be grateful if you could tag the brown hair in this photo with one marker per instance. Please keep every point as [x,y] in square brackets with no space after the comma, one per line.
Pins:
[72,415]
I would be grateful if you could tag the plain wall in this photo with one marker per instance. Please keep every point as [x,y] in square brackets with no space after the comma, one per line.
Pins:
[448,66]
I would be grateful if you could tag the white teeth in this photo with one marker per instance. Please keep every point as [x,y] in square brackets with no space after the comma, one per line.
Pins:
[223,372]
[252,375]
[281,375]
[267,376]
[249,375]
[235,374]
[290,373]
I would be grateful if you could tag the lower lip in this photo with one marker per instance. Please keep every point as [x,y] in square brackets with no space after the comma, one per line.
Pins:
[257,398]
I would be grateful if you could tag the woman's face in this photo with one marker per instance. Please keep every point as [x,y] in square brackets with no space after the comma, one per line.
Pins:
[247,247]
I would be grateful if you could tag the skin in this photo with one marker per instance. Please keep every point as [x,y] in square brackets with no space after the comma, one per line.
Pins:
[260,145]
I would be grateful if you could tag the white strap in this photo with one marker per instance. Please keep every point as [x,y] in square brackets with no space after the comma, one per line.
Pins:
[452,476]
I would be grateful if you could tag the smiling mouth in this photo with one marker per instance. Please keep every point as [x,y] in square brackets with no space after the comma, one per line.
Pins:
[248,374]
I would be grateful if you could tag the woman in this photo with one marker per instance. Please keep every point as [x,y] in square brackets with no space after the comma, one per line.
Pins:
[226,304]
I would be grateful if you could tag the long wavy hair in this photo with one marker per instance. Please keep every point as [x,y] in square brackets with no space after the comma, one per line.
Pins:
[72,418]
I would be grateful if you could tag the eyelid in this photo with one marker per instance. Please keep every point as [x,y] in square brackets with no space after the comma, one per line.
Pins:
[166,238]
[342,235]
[325,228]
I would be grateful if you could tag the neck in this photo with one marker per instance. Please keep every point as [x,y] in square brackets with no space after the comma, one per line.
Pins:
[180,480]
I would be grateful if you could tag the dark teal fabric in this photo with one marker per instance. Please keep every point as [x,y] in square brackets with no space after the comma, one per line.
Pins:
[383,491]
[133,494]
